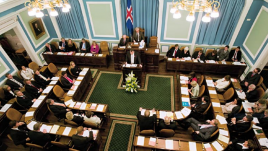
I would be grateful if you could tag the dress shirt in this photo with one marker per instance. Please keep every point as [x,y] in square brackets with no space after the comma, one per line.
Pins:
[202,126]
[174,53]
[11,93]
[243,147]
[235,55]
[63,45]
[40,75]
[222,84]
[132,59]
[21,85]
[27,74]
[84,46]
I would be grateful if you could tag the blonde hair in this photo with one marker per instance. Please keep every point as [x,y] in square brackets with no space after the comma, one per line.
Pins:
[193,83]
[94,42]
[69,115]
[71,63]
[5,87]
[80,129]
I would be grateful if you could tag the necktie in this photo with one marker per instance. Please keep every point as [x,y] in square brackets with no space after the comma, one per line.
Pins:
[63,45]
[17,82]
[252,74]
[235,55]
[50,48]
[175,53]
[71,81]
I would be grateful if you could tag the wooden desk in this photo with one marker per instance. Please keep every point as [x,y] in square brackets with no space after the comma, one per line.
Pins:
[136,70]
[82,88]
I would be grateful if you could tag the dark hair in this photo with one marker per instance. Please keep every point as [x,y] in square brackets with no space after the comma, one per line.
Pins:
[215,52]
[63,72]
[88,114]
[238,47]
[83,38]
[36,126]
[249,118]
[227,46]
[258,69]
[176,45]
[192,74]
[200,51]
[239,101]
[48,101]
[7,74]
[227,77]
[206,98]
[12,123]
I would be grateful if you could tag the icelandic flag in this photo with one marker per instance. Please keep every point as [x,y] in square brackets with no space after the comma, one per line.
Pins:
[129,18]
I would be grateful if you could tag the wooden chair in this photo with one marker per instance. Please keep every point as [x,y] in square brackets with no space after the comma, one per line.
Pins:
[70,122]
[260,81]
[52,113]
[35,146]
[260,93]
[59,92]
[209,51]
[104,47]
[227,95]
[147,133]
[197,49]
[72,149]
[153,42]
[13,114]
[54,70]
[34,66]
[2,94]
[55,44]
[213,135]
[206,111]
[19,74]
[166,133]
[200,80]
[182,48]
[201,93]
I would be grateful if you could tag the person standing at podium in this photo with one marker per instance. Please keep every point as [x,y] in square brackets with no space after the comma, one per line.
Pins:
[133,57]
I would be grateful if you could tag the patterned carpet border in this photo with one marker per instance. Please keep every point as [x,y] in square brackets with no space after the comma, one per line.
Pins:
[94,72]
[109,138]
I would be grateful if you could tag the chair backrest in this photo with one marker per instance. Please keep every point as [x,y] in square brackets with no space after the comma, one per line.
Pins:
[34,146]
[9,137]
[52,68]
[208,51]
[260,81]
[201,91]
[72,149]
[206,111]
[55,44]
[58,91]
[227,95]
[71,122]
[19,74]
[182,48]
[197,49]
[90,124]
[153,41]
[247,129]
[241,108]
[104,47]
[19,103]
[2,93]
[13,114]
[213,134]
[49,109]
[200,80]
[260,92]
[166,133]
[34,66]
[59,144]
[147,133]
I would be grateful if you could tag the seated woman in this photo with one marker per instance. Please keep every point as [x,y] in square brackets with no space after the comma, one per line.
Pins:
[71,46]
[26,73]
[259,108]
[223,83]
[77,119]
[212,55]
[192,78]
[94,48]
[9,94]
[228,107]
[185,53]
[74,69]
[194,91]
[90,117]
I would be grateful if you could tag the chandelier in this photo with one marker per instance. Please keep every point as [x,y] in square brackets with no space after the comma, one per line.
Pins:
[210,7]
[35,7]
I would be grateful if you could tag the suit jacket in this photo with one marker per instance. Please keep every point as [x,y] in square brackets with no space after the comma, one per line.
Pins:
[71,48]
[238,56]
[135,36]
[122,43]
[171,51]
[18,136]
[239,127]
[210,57]
[252,79]
[264,124]
[25,101]
[199,107]
[137,59]
[53,48]
[78,119]
[60,45]
[162,125]
[237,147]
[65,82]
[81,143]
[59,111]
[146,123]
[183,55]
[13,85]
[87,47]
[8,95]
[195,55]
[43,83]
[223,55]
[32,90]
[252,96]
[39,138]
[76,70]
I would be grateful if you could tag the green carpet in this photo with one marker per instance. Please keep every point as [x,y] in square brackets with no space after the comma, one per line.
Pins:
[120,136]
[158,95]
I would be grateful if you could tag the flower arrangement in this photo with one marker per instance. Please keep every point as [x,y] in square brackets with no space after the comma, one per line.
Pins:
[131,83]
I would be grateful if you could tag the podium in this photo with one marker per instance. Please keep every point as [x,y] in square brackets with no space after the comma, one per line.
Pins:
[136,70]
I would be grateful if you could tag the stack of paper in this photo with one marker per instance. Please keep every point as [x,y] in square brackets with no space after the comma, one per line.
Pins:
[48,89]
[169,59]
[133,65]
[86,133]
[88,54]
[85,69]
[223,139]
[100,108]
[53,82]
[185,111]
[77,54]
[31,124]
[187,58]
[55,78]
[184,90]
[77,82]
[178,115]
[169,144]
[63,69]
[224,132]
[93,106]
[37,103]
[185,101]
[95,132]
[208,147]
[47,127]
[152,141]
[72,104]
[28,114]
[54,129]
[100,55]
[184,78]
[68,102]
[215,104]
[255,120]
[74,87]
[212,91]
[217,146]
[192,146]
[140,140]
[122,46]
[41,97]
[5,107]
[248,106]
[80,78]
[77,105]
[70,93]
[83,73]
[162,114]
[83,106]
[263,142]
[238,63]
[241,95]
[221,119]
[66,131]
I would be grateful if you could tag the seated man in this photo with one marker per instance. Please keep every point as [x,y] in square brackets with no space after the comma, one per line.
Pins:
[133,57]
[200,107]
[123,41]
[212,55]
[50,48]
[251,78]
[202,132]
[33,88]
[173,52]
[198,55]
[18,133]
[63,45]
[223,83]
[235,55]
[80,142]
[84,46]
[14,82]
[26,73]
[223,54]
[241,145]
[58,109]
[240,125]
[263,122]
[38,137]
[77,119]
[146,122]
[9,94]
[24,100]
[251,93]
[137,35]
[67,81]
[41,78]
[166,124]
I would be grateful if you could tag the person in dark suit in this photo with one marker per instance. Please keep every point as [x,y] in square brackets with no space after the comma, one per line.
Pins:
[9,94]
[198,55]
[185,53]
[251,93]
[63,45]
[251,78]
[50,48]
[58,109]
[138,35]
[173,52]
[38,137]
[75,70]
[80,142]
[24,99]
[33,88]
[166,124]
[241,145]
[18,133]
[212,55]
[123,41]
[77,119]
[202,132]
[71,46]
[14,82]
[41,78]
[240,125]
[235,55]
[67,81]
[263,122]
[199,107]
[84,46]
[146,122]
[133,57]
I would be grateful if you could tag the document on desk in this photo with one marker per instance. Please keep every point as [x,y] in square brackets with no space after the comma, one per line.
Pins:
[89,54]
[247,106]
[184,90]
[185,111]
[37,103]
[54,129]
[156,50]
[53,82]
[152,141]
[74,87]
[66,131]
[221,119]
[41,97]
[100,108]
[169,144]
[63,69]
[83,106]
[210,83]
[100,55]
[169,59]
[5,107]
[217,146]
[77,82]
[223,138]
[162,114]
[85,69]
[95,133]
[223,132]
[70,93]
[182,81]
[185,101]
[263,142]
[140,140]
[93,106]
[55,78]
[184,78]
[241,95]
[178,115]
[192,146]
[208,147]
[72,104]
[212,91]
[67,103]
[48,89]
[255,120]
[83,73]
[47,127]
[256,127]
[215,104]
[31,124]
[80,78]
[31,113]
[77,105]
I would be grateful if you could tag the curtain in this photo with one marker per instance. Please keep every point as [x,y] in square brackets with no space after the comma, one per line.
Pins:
[72,24]
[220,30]
[145,15]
